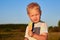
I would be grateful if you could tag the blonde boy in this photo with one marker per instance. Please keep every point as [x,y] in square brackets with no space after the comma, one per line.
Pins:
[39,31]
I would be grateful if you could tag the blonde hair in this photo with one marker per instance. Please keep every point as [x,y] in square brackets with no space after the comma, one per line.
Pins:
[32,5]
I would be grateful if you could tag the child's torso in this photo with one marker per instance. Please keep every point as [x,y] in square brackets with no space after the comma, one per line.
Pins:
[36,30]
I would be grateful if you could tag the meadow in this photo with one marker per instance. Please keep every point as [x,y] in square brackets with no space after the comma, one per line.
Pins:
[17,33]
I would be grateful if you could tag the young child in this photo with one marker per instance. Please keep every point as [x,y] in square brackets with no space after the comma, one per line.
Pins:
[36,29]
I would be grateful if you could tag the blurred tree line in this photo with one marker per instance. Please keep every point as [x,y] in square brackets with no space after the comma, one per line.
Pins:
[12,27]
[22,27]
[54,28]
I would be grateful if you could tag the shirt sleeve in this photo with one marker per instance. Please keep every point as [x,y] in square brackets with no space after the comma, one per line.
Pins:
[26,32]
[44,29]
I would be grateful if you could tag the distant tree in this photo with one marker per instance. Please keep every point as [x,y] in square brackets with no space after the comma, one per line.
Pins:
[55,29]
[50,28]
[59,23]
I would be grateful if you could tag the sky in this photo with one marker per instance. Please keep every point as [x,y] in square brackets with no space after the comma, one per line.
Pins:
[14,11]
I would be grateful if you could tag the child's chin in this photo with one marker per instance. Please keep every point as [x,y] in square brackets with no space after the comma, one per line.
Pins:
[36,21]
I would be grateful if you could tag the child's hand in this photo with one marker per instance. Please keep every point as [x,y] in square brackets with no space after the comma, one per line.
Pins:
[30,33]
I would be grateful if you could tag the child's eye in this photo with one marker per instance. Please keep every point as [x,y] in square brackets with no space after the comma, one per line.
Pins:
[32,15]
[36,14]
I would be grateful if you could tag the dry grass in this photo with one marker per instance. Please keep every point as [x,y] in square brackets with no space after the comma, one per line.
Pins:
[17,35]
[54,36]
[12,35]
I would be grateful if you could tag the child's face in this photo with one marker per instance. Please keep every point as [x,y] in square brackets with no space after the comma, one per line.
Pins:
[34,15]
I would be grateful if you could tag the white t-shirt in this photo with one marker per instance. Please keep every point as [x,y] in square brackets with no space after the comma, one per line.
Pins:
[39,28]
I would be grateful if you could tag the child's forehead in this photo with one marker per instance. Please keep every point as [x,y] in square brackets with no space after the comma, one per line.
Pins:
[35,8]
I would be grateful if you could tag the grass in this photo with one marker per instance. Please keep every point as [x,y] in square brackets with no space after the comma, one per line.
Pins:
[16,32]
[54,36]
[16,35]
[12,35]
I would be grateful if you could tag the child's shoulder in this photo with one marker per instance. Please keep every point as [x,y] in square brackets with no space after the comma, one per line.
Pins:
[43,23]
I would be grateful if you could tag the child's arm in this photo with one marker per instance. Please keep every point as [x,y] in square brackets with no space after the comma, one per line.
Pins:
[40,37]
[26,38]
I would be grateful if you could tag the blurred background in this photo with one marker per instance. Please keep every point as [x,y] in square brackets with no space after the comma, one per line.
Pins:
[14,18]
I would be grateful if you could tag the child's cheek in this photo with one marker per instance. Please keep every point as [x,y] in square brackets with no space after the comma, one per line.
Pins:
[32,18]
